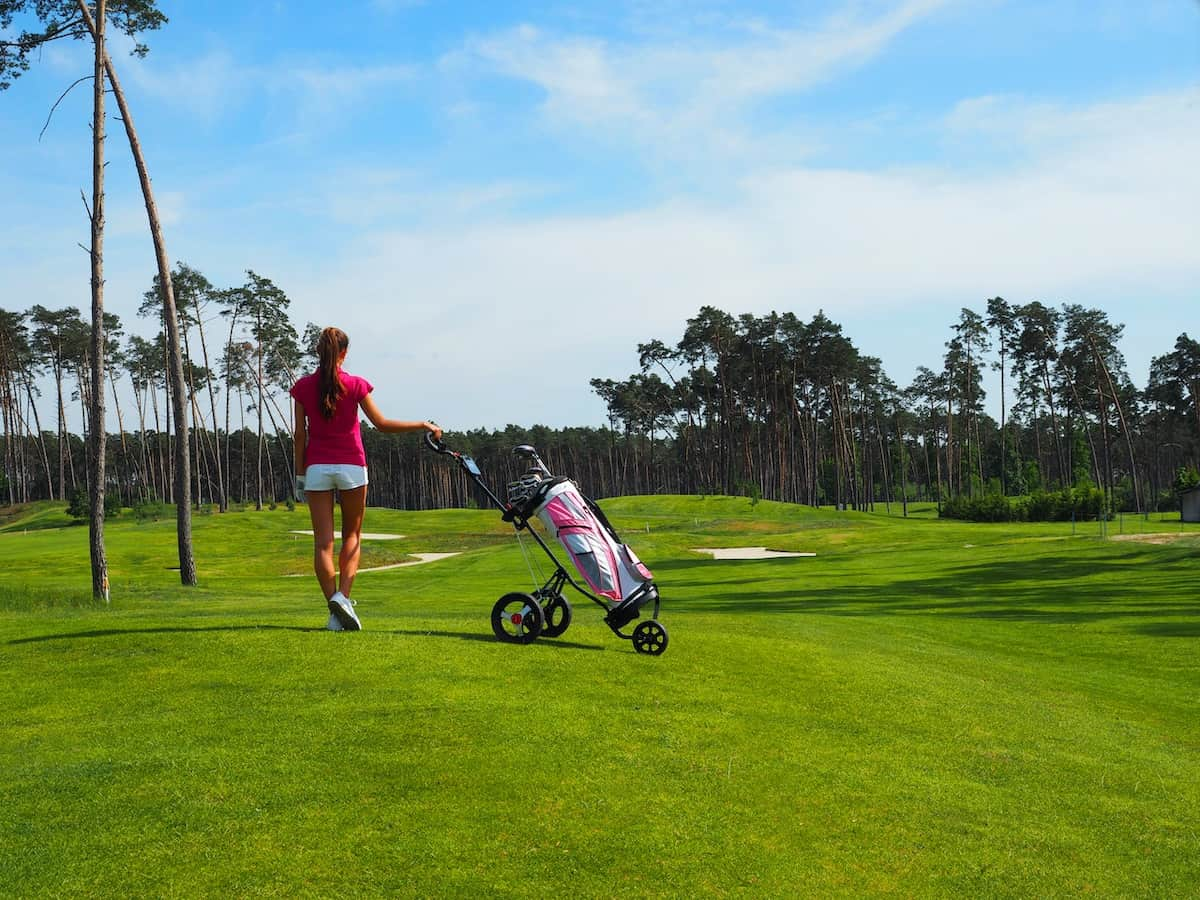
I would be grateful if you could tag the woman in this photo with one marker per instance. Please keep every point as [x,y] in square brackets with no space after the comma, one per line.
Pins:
[329,457]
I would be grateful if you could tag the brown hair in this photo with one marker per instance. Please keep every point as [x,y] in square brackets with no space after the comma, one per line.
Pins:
[332,343]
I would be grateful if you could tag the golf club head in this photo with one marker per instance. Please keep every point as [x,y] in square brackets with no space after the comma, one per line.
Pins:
[535,462]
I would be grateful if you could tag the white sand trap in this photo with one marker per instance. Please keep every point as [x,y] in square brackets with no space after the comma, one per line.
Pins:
[366,536]
[1161,537]
[748,553]
[421,559]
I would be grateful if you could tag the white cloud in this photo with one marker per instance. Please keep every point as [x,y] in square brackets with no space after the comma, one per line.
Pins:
[329,88]
[214,83]
[671,93]
[366,197]
[206,86]
[553,302]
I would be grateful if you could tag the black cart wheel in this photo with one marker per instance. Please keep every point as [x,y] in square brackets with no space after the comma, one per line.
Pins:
[557,616]
[650,637]
[517,618]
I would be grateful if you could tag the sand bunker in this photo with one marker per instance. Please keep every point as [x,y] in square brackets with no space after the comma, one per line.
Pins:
[1152,537]
[366,536]
[748,553]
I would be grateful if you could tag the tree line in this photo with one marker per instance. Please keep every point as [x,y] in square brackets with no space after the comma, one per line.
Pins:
[238,350]
[767,406]
[787,409]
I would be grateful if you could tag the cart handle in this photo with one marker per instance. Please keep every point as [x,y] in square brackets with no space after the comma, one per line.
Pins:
[468,464]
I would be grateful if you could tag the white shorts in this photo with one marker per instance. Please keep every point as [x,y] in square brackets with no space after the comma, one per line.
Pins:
[334,476]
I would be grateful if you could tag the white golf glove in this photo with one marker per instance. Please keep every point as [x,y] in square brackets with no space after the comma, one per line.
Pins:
[299,488]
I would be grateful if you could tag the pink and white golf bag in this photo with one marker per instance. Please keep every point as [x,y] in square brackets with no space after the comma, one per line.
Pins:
[611,569]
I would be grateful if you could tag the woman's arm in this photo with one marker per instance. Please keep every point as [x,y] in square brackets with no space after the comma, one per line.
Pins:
[394,426]
[299,438]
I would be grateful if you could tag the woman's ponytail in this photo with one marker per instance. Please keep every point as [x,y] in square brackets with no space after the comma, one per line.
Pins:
[332,343]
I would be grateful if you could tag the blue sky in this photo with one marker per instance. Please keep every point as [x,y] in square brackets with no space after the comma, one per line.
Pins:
[500,201]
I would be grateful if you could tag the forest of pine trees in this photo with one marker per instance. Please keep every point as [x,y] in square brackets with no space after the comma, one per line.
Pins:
[764,406]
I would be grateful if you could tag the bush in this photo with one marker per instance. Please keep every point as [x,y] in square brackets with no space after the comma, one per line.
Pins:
[1187,477]
[984,508]
[152,510]
[1082,502]
[80,506]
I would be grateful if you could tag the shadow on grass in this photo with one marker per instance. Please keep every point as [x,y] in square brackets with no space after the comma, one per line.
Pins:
[490,639]
[22,527]
[1051,589]
[114,632]
[1170,629]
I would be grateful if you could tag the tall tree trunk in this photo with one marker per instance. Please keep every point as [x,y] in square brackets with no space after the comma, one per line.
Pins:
[212,402]
[228,396]
[1087,433]
[183,481]
[963,452]
[949,443]
[190,382]
[1194,388]
[937,459]
[161,468]
[1137,496]
[166,459]
[884,467]
[1063,474]
[242,446]
[1037,444]
[147,459]
[8,412]
[1103,408]
[1003,433]
[120,425]
[98,435]
[40,437]
[63,446]
[258,503]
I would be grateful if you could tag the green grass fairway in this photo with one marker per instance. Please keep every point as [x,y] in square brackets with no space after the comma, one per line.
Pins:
[926,708]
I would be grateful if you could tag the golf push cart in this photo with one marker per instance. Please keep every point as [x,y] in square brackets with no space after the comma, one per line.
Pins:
[616,579]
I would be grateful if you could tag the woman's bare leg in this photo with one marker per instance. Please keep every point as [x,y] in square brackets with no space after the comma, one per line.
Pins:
[354,504]
[320,508]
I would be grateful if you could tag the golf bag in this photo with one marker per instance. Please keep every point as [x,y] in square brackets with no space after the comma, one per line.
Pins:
[610,573]
[610,568]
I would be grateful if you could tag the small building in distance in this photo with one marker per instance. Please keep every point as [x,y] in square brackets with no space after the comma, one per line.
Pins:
[1189,504]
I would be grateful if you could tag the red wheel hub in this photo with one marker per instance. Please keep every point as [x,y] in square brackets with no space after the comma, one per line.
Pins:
[516,618]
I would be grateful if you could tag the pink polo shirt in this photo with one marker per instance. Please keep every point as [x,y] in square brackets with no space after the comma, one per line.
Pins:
[338,440]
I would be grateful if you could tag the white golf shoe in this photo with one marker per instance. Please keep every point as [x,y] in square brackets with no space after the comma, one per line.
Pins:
[342,608]
[334,624]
